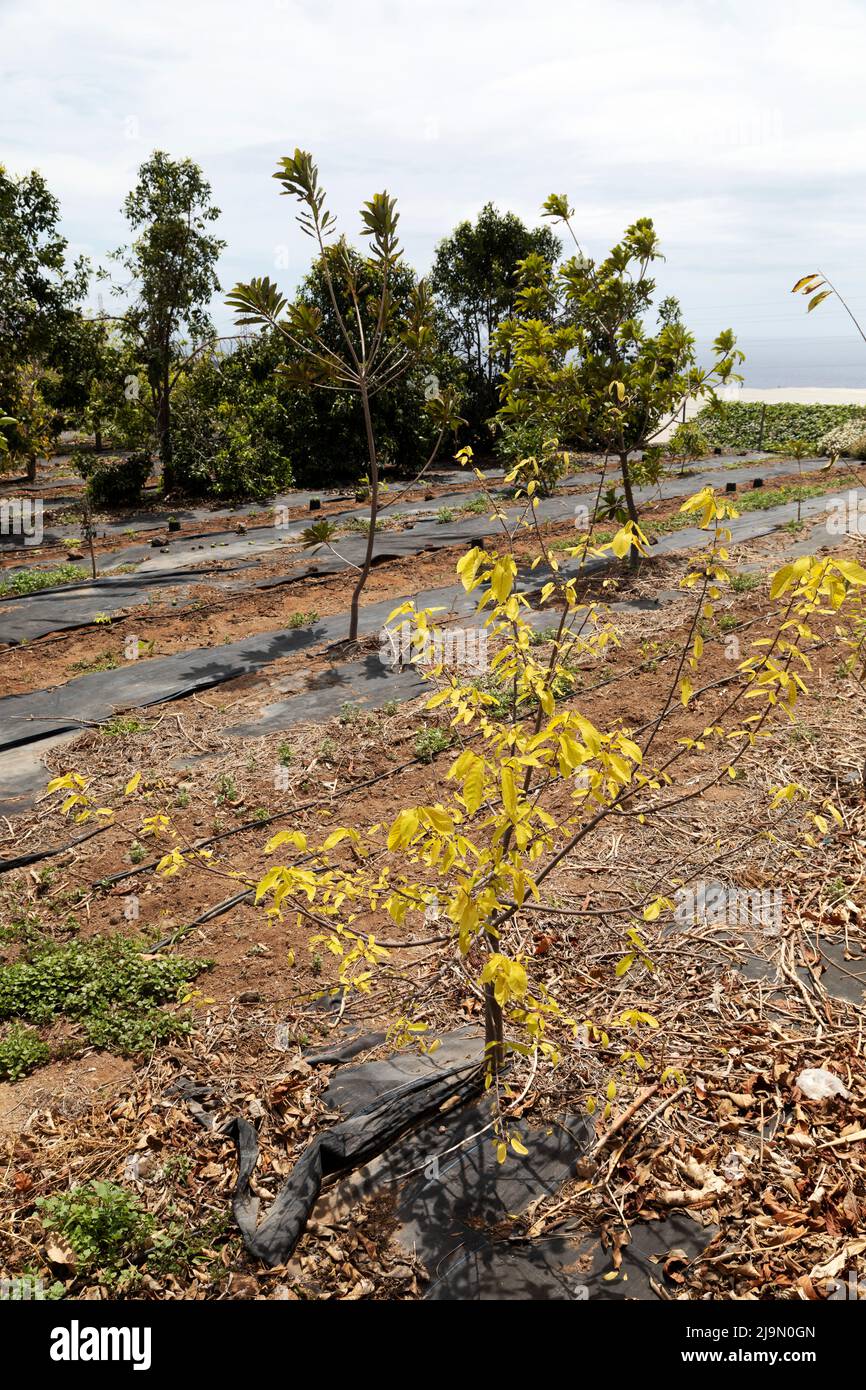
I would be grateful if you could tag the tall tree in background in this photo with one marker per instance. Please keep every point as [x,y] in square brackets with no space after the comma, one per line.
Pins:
[38,298]
[172,278]
[475,278]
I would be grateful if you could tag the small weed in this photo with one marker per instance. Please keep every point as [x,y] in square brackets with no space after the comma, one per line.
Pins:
[429,742]
[106,661]
[122,725]
[227,789]
[104,1225]
[745,583]
[20,1052]
[285,753]
[476,506]
[297,620]
[177,1168]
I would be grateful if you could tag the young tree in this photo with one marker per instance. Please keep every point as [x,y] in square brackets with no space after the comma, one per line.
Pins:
[365,338]
[326,434]
[38,295]
[475,279]
[584,364]
[172,269]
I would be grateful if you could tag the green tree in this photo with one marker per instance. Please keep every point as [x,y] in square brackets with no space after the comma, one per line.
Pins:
[475,279]
[38,295]
[326,439]
[171,265]
[92,368]
[379,339]
[586,369]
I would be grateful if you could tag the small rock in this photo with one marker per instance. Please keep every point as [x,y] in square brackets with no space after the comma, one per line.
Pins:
[250,996]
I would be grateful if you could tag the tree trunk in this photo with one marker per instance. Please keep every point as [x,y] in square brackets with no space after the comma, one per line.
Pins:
[31,469]
[633,556]
[97,439]
[494,1037]
[163,432]
[626,487]
[374,510]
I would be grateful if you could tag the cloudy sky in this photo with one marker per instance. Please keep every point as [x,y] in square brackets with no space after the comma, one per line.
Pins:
[740,127]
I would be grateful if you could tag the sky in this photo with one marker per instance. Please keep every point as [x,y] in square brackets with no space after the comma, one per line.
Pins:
[739,127]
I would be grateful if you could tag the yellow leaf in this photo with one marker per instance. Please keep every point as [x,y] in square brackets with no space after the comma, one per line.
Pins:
[509,795]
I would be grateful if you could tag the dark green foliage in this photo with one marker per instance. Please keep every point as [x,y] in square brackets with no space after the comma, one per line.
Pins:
[106,985]
[230,429]
[114,481]
[326,441]
[737,424]
[38,295]
[242,428]
[475,278]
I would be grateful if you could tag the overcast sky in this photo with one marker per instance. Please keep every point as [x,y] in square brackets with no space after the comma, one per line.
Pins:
[739,127]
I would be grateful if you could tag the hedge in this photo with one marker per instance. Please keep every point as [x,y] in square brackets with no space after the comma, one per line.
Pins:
[737,425]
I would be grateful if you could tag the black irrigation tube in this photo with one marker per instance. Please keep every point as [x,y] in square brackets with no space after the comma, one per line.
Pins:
[22,860]
[216,911]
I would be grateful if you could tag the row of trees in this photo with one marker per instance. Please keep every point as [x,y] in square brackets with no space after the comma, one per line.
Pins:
[538,353]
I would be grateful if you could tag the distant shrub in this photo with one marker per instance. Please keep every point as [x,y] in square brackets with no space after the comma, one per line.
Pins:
[737,424]
[524,440]
[520,439]
[688,442]
[225,451]
[113,482]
